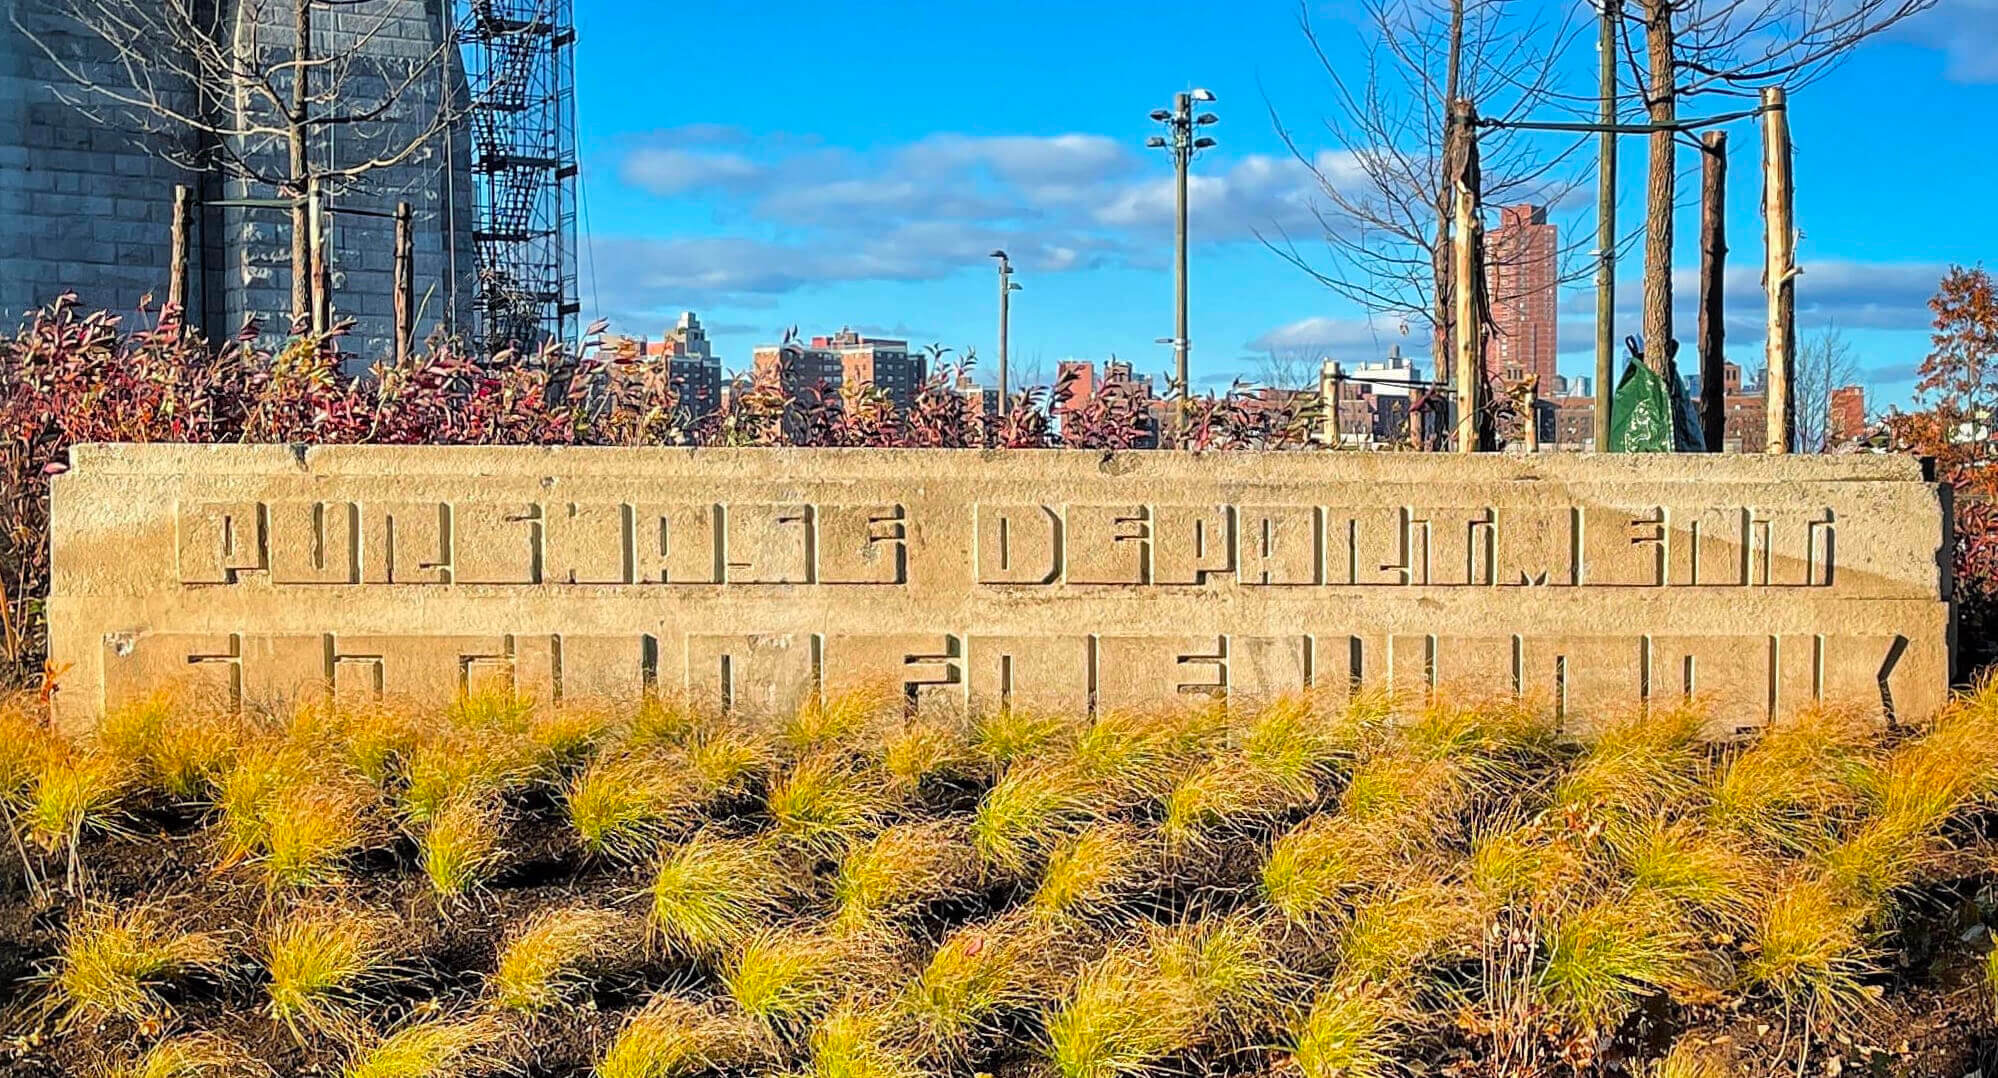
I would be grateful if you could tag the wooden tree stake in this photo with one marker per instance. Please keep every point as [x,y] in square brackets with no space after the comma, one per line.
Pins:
[1713,268]
[1779,271]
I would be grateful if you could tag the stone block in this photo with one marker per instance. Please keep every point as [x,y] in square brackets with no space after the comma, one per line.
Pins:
[756,578]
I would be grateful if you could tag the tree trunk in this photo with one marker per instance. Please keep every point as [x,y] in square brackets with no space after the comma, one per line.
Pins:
[301,254]
[1441,257]
[1661,99]
[1713,274]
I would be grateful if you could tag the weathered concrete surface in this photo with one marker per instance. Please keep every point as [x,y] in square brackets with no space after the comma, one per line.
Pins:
[1065,579]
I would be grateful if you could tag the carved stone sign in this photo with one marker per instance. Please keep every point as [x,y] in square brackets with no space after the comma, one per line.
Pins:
[1063,579]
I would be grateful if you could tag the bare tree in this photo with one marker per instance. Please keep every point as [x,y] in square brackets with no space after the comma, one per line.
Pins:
[1290,368]
[1385,196]
[1724,48]
[258,92]
[1825,364]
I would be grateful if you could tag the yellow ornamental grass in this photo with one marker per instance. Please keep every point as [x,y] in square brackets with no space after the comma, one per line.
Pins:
[1599,961]
[190,1055]
[671,1037]
[897,871]
[1637,766]
[447,1047]
[321,961]
[1352,1030]
[979,972]
[783,978]
[1123,1017]
[1389,938]
[842,719]
[1794,787]
[1092,874]
[826,803]
[623,806]
[460,848]
[26,745]
[1026,813]
[113,962]
[1015,734]
[861,1042]
[1809,946]
[551,955]
[927,747]
[73,793]
[711,894]
[172,744]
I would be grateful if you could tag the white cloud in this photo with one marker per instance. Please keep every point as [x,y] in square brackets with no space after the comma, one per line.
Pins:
[666,170]
[1352,340]
[1967,33]
[809,213]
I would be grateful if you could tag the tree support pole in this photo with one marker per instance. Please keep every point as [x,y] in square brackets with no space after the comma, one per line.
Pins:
[405,284]
[1779,271]
[1713,270]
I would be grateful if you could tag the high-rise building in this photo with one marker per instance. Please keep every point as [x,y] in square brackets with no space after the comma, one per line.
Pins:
[844,357]
[1522,279]
[1848,415]
[693,366]
[86,198]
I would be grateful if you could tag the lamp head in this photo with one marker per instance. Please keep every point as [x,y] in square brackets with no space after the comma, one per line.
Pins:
[1161,115]
[1156,142]
[1203,95]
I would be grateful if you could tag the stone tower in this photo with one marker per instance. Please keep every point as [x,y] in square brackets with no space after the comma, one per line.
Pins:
[86,184]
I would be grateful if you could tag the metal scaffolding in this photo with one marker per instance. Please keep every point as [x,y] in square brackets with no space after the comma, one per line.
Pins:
[519,58]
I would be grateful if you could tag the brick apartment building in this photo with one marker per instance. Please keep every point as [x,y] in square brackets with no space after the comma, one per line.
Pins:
[844,357]
[1522,278]
[694,367]
[1076,382]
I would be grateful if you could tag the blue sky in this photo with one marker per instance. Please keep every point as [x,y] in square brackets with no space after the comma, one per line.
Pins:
[770,164]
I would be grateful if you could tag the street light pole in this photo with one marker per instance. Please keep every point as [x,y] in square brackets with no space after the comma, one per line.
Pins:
[1182,144]
[1006,290]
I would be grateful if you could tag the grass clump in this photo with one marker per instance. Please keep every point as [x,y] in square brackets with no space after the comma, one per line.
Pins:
[925,748]
[1797,784]
[1601,960]
[1089,875]
[170,745]
[860,1042]
[190,1055]
[550,956]
[1695,869]
[1322,863]
[826,803]
[1810,949]
[1010,735]
[1637,766]
[460,847]
[897,871]
[671,1037]
[321,961]
[1025,813]
[1122,1018]
[1351,1031]
[293,815]
[841,719]
[979,972]
[72,794]
[113,962]
[712,894]
[1390,937]
[457,762]
[783,978]
[444,1047]
[623,806]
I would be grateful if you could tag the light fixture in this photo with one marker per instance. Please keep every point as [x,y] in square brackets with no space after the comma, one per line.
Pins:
[1155,141]
[1207,118]
[1203,95]
[1202,143]
[997,254]
[1161,115]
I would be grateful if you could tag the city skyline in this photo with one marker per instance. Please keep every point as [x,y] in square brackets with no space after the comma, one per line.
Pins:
[771,206]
